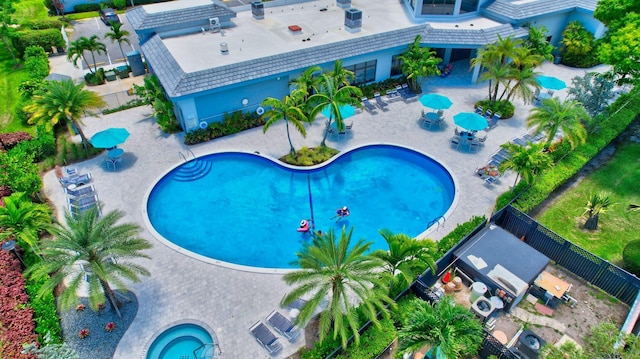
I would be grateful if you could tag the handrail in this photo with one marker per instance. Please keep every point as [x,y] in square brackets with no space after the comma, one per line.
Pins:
[204,345]
[184,158]
[437,220]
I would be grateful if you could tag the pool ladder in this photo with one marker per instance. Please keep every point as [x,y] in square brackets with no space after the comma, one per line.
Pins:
[217,351]
[437,220]
[193,168]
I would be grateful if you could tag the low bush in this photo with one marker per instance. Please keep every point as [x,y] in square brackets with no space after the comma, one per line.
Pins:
[621,114]
[450,240]
[126,106]
[15,315]
[10,140]
[42,24]
[86,7]
[382,87]
[504,107]
[231,123]
[36,62]
[43,146]
[309,156]
[46,39]
[631,257]
[96,78]
[372,342]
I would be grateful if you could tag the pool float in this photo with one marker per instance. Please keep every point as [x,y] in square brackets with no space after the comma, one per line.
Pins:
[304,226]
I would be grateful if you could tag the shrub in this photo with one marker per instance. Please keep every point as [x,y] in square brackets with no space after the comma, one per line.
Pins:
[119,4]
[36,62]
[41,147]
[10,140]
[631,256]
[309,156]
[372,342]
[86,7]
[232,123]
[42,24]
[44,38]
[504,107]
[455,236]
[20,173]
[126,106]
[16,317]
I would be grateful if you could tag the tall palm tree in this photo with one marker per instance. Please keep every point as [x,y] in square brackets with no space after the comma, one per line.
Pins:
[119,36]
[289,110]
[451,330]
[596,205]
[307,81]
[496,74]
[96,247]
[62,102]
[24,220]
[526,161]
[406,257]
[343,272]
[76,52]
[330,94]
[94,46]
[419,62]
[554,114]
[341,75]
[524,81]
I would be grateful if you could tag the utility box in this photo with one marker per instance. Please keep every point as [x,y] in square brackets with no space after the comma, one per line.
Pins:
[353,20]
[345,4]
[135,62]
[257,10]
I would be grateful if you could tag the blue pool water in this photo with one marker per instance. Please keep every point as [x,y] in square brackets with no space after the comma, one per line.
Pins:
[181,341]
[247,208]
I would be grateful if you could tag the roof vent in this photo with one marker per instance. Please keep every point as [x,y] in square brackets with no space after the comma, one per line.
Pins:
[257,10]
[224,48]
[353,20]
[345,4]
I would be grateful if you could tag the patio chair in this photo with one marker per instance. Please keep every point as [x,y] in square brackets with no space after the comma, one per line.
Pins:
[474,146]
[381,103]
[265,337]
[427,122]
[455,141]
[349,126]
[283,326]
[440,113]
[368,106]
[536,94]
[80,191]
[82,201]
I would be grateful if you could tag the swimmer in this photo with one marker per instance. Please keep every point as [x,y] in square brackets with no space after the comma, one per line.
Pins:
[341,213]
[304,226]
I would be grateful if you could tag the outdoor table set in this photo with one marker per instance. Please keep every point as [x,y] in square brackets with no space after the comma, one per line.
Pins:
[549,83]
[435,102]
[110,139]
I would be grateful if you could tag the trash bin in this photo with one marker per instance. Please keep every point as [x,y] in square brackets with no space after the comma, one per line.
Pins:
[110,75]
[557,59]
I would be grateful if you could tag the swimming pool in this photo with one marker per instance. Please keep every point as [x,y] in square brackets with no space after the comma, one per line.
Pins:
[247,208]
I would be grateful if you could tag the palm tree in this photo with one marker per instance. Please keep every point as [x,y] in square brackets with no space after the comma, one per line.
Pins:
[119,36]
[525,81]
[406,257]
[307,81]
[496,74]
[451,330]
[76,52]
[596,205]
[289,110]
[95,247]
[554,114]
[94,46]
[23,219]
[419,62]
[330,94]
[62,102]
[526,161]
[340,74]
[345,274]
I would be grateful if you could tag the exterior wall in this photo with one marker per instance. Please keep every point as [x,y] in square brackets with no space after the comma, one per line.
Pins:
[554,23]
[594,26]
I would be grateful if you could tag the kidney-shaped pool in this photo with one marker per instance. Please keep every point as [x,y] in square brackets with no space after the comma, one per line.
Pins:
[245,209]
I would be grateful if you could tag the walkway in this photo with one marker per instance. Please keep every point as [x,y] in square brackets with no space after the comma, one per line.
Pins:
[230,301]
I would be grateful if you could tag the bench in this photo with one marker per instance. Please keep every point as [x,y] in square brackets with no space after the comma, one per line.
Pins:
[544,310]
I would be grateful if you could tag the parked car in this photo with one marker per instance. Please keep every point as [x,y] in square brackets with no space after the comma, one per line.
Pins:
[109,16]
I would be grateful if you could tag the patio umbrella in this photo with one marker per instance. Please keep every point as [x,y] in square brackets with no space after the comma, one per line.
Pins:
[470,121]
[435,101]
[345,110]
[109,138]
[550,82]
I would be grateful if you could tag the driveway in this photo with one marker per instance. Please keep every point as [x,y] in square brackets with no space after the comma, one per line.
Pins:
[95,26]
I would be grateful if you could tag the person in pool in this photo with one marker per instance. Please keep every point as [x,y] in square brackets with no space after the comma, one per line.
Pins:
[341,213]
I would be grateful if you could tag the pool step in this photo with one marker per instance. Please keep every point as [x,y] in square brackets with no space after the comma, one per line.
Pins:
[193,170]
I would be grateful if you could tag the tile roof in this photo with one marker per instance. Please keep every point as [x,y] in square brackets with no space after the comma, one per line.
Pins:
[522,10]
[178,83]
[140,19]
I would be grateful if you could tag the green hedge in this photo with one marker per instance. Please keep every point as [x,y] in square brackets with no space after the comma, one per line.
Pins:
[86,7]
[43,38]
[450,240]
[231,123]
[620,115]
[372,342]
[42,24]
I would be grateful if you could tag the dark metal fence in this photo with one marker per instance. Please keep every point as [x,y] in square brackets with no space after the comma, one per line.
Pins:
[595,270]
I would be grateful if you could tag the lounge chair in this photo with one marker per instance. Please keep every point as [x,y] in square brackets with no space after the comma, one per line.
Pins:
[368,106]
[76,211]
[296,304]
[393,95]
[488,114]
[265,337]
[76,179]
[83,201]
[493,122]
[80,191]
[406,94]
[381,103]
[283,326]
[479,110]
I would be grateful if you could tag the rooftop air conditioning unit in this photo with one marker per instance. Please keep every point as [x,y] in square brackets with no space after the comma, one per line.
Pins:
[214,24]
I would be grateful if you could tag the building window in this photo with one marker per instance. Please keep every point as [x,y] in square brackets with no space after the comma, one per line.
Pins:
[364,72]
[396,66]
[438,7]
[468,6]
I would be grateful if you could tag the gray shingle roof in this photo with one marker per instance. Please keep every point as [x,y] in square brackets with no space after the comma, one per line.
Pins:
[178,83]
[519,10]
[140,19]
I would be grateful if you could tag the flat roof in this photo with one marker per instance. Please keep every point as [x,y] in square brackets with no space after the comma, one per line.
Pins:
[253,39]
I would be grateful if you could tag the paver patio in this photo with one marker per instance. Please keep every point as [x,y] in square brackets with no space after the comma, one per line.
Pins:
[230,300]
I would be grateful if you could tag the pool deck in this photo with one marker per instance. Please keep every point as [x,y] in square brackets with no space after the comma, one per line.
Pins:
[231,300]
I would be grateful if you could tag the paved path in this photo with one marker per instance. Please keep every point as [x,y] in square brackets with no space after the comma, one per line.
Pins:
[229,300]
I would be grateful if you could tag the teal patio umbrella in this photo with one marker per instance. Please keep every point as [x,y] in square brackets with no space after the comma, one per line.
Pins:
[109,138]
[435,101]
[550,82]
[470,121]
[345,110]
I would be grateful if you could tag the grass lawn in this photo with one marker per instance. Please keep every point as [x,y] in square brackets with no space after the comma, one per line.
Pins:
[617,226]
[10,78]
[30,10]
